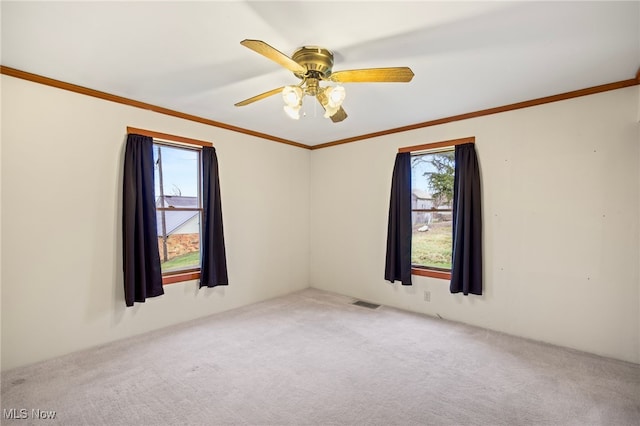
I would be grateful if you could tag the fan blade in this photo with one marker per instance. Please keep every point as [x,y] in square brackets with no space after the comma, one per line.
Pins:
[260,96]
[275,55]
[374,75]
[339,116]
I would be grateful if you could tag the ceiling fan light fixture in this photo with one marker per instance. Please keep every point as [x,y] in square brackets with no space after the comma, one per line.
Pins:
[335,96]
[292,111]
[292,96]
[330,111]
[313,64]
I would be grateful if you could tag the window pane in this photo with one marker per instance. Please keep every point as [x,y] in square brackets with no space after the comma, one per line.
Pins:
[178,239]
[432,188]
[431,241]
[432,179]
[177,170]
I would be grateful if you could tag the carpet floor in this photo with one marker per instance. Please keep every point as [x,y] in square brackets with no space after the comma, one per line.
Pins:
[313,358]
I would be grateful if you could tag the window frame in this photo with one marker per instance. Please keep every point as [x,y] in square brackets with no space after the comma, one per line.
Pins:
[170,275]
[185,143]
[421,270]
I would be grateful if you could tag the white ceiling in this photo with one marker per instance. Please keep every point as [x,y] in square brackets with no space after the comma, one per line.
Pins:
[187,56]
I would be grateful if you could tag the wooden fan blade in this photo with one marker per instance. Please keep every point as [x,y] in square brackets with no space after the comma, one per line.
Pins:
[260,96]
[340,115]
[373,75]
[275,55]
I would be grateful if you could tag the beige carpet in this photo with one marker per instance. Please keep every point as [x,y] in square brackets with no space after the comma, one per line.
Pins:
[313,358]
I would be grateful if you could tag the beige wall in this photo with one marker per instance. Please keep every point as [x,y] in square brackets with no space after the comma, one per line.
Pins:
[1,238]
[561,190]
[561,214]
[61,227]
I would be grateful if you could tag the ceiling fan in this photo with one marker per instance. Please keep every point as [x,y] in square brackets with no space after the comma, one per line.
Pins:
[313,64]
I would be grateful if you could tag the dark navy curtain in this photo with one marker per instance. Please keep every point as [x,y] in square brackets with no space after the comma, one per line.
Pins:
[213,266]
[398,259]
[142,274]
[466,268]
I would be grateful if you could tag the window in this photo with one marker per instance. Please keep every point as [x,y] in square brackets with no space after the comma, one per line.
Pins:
[178,207]
[432,176]
[432,186]
[435,216]
[172,227]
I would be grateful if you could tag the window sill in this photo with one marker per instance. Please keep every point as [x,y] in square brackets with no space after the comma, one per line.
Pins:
[431,273]
[180,277]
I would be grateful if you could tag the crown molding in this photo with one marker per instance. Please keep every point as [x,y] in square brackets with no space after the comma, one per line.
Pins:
[511,107]
[121,100]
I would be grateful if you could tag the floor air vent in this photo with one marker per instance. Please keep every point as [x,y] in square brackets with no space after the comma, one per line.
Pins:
[366,304]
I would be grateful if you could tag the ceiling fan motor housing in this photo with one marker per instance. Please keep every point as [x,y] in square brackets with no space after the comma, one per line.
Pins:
[317,60]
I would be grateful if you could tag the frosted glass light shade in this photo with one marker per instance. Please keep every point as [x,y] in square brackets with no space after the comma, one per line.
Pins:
[292,95]
[335,96]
